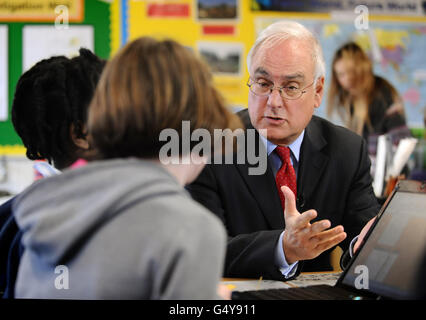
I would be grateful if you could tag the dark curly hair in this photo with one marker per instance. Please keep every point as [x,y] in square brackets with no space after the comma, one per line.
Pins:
[50,99]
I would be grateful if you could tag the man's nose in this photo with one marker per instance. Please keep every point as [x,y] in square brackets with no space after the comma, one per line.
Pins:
[274,99]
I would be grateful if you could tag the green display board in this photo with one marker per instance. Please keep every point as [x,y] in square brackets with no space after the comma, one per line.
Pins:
[96,14]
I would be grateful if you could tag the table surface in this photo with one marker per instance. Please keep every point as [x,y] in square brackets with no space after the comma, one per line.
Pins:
[304,279]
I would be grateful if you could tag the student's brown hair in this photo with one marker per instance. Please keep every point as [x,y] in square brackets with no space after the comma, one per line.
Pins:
[149,86]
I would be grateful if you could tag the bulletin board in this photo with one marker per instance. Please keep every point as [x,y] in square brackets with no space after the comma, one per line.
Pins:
[94,14]
[223,31]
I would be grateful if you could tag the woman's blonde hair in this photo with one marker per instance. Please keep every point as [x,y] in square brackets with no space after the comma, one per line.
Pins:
[340,99]
[149,86]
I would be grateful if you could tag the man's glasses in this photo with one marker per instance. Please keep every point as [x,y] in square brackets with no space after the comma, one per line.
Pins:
[266,88]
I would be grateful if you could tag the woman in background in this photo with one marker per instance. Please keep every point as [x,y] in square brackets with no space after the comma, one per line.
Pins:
[123,227]
[366,103]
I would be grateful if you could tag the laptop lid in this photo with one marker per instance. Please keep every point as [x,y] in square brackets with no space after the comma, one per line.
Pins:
[387,263]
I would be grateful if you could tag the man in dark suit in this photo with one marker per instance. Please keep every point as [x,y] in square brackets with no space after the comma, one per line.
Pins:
[329,163]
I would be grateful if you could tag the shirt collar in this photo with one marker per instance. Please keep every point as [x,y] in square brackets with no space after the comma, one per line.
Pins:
[294,146]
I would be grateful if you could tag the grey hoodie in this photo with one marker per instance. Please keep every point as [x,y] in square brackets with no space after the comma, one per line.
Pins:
[117,229]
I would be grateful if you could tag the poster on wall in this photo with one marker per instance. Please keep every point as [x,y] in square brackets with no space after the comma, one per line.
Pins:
[217,10]
[40,10]
[44,41]
[224,58]
[3,73]
[168,10]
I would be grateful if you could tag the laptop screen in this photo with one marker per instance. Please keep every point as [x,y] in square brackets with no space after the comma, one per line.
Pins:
[388,262]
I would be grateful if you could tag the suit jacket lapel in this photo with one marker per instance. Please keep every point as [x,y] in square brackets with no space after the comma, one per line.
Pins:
[312,163]
[262,186]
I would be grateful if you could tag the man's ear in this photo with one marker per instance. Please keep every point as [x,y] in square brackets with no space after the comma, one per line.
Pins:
[80,142]
[319,92]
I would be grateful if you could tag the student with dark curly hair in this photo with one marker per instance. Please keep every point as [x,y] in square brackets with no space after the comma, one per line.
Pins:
[50,107]
[49,112]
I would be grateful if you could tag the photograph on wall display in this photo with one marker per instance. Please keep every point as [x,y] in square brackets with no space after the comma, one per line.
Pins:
[224,58]
[217,10]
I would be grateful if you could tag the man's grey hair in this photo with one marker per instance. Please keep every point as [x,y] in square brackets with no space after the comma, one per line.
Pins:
[283,30]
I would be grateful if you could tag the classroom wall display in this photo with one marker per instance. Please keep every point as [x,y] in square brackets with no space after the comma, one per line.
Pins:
[44,41]
[210,27]
[222,33]
[93,15]
[3,73]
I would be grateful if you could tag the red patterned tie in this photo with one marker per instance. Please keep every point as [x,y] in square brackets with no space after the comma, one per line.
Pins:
[286,176]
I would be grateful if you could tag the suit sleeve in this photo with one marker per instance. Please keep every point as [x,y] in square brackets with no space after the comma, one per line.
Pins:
[250,255]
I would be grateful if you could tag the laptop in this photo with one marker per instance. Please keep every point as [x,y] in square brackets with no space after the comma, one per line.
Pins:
[387,263]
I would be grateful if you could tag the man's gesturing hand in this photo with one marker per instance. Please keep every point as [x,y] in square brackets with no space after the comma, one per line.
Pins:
[303,240]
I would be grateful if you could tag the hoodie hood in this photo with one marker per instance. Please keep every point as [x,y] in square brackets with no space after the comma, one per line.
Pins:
[59,214]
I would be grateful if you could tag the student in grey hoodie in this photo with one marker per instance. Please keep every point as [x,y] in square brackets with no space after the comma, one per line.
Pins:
[123,226]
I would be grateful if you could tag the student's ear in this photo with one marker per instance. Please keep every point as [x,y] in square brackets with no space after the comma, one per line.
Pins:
[319,91]
[81,142]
